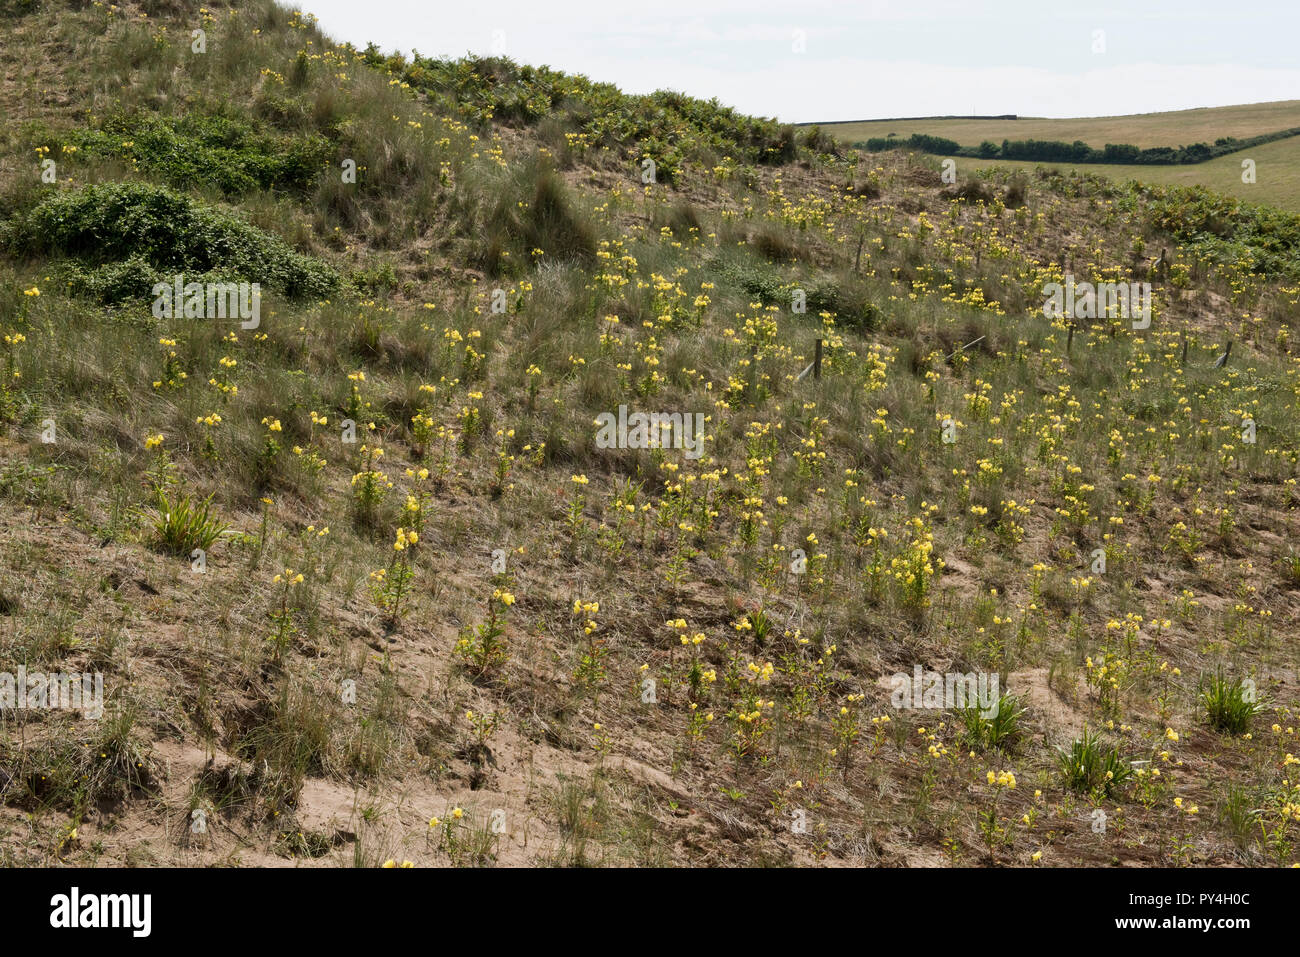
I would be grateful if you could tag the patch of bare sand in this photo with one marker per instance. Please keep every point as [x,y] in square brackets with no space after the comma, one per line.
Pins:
[1057,716]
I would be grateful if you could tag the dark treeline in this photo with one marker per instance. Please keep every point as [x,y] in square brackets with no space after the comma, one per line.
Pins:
[1058,151]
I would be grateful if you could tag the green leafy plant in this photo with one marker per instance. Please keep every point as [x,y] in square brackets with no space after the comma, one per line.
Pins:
[483,648]
[1088,765]
[1000,730]
[122,238]
[1230,706]
[183,523]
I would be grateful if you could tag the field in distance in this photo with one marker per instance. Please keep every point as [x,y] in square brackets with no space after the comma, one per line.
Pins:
[1175,128]
[1277,164]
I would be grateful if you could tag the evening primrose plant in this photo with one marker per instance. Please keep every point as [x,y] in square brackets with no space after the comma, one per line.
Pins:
[483,649]
[390,586]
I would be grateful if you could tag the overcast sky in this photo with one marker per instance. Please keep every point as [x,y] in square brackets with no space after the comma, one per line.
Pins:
[808,60]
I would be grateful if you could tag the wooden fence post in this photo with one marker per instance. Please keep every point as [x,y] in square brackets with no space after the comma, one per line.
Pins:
[1222,361]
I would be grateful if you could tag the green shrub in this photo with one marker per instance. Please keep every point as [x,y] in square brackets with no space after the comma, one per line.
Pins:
[121,231]
[848,299]
[201,150]
[1222,228]
[669,127]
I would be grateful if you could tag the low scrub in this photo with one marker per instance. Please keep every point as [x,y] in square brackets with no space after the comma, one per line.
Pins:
[216,151]
[127,236]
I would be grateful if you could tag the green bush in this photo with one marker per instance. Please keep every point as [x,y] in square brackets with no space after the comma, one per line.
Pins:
[201,150]
[669,127]
[1224,229]
[121,231]
[183,524]
[849,299]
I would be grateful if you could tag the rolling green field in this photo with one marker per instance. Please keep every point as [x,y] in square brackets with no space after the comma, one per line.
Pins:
[1277,164]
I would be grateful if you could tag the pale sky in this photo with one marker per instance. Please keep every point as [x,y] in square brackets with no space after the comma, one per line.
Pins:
[810,60]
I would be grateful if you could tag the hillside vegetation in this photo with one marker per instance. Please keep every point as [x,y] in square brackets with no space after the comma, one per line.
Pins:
[365,586]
